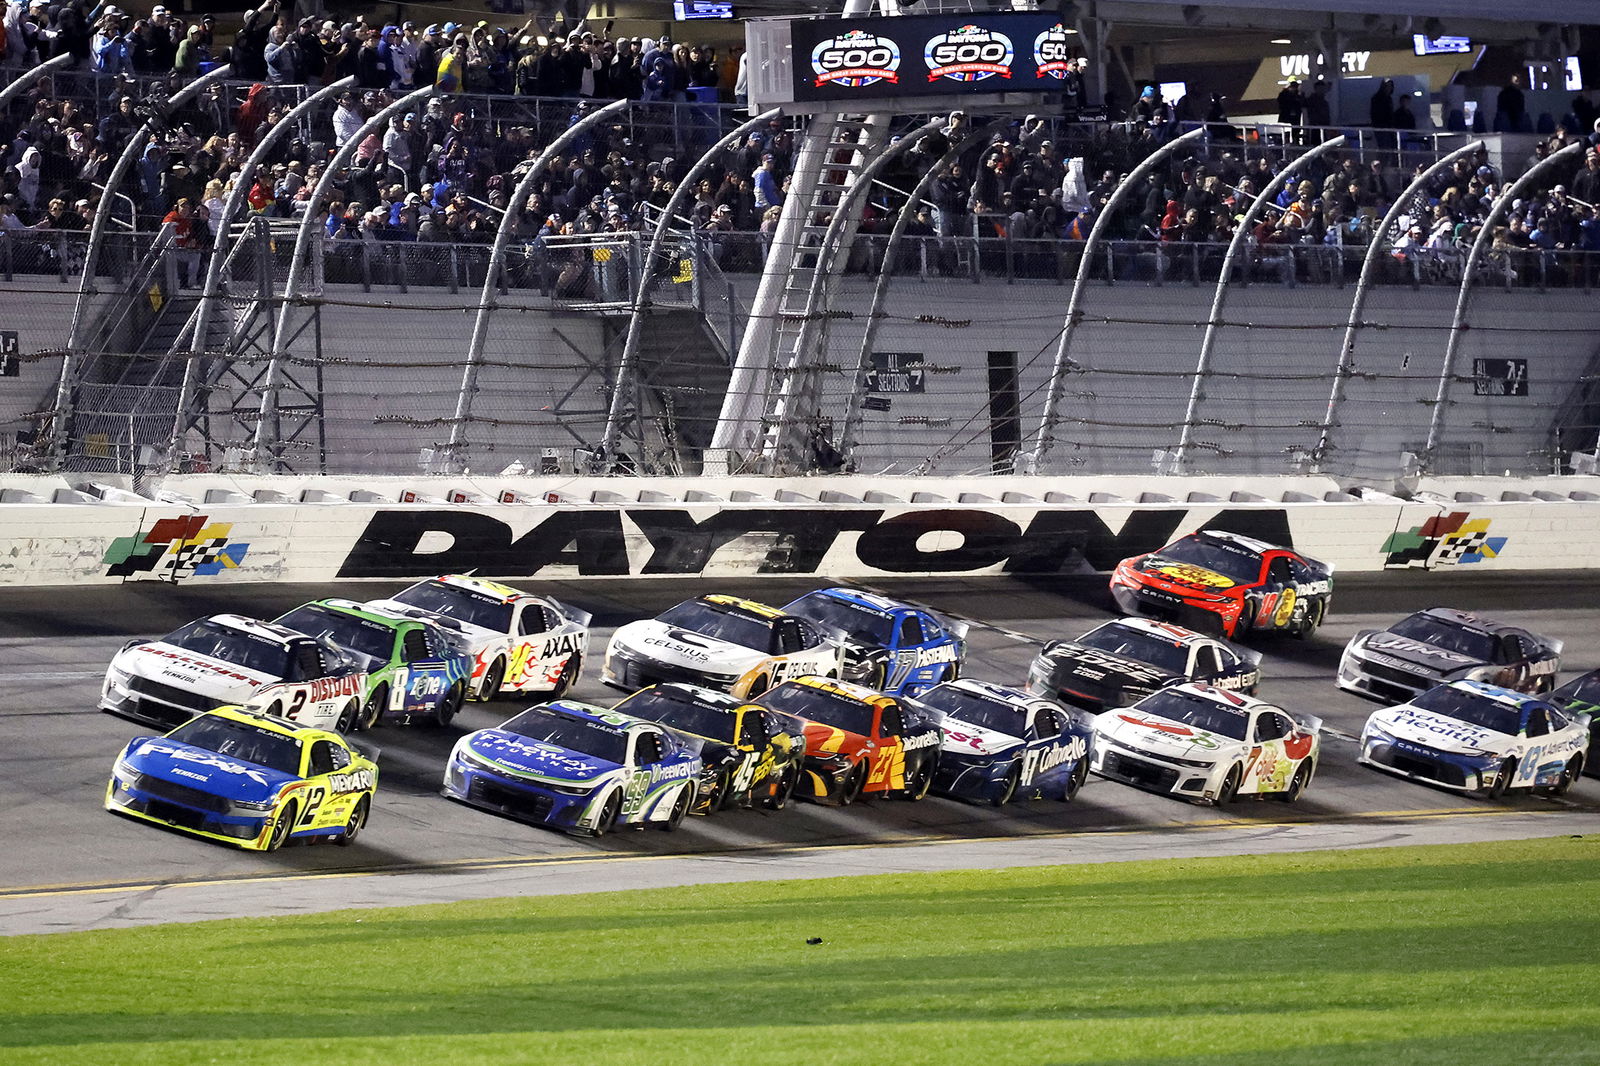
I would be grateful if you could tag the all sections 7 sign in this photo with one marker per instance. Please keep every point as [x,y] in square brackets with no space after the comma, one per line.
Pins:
[929,55]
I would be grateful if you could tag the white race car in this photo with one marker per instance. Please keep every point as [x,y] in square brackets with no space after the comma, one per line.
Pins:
[231,659]
[1475,737]
[1208,744]
[738,646]
[519,642]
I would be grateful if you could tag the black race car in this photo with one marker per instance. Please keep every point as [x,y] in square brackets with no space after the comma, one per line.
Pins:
[1122,662]
[1581,695]
[1428,648]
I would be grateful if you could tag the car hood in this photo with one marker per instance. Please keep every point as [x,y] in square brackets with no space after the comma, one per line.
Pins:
[1186,574]
[175,666]
[1103,668]
[521,756]
[205,770]
[1415,654]
[1429,730]
[1162,736]
[977,740]
[680,647]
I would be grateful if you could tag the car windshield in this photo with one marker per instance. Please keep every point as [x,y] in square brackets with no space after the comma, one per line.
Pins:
[1583,690]
[372,639]
[867,625]
[242,741]
[802,701]
[975,708]
[568,731]
[697,616]
[678,711]
[207,637]
[1115,638]
[1192,709]
[1240,565]
[453,601]
[1474,708]
[1426,629]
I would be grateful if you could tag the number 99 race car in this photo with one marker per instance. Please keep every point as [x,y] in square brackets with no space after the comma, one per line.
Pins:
[245,778]
[1000,743]
[888,645]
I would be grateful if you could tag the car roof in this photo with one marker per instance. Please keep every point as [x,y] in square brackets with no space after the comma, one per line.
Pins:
[1227,697]
[598,715]
[1000,692]
[1469,621]
[869,600]
[505,593]
[709,698]
[256,627]
[361,610]
[1163,630]
[847,689]
[1510,697]
[739,605]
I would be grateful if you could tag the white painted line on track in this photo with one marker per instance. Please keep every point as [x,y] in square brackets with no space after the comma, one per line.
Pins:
[53,675]
[978,623]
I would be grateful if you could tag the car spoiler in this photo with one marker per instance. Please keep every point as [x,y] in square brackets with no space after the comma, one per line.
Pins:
[1308,722]
[365,748]
[583,618]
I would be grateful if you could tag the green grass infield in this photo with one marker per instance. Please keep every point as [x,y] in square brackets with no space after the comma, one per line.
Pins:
[1461,954]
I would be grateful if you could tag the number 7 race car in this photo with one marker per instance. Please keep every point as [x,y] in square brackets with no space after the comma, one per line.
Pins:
[245,778]
[1000,743]
[519,642]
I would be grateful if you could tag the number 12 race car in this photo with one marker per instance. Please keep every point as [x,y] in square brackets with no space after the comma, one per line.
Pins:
[1222,582]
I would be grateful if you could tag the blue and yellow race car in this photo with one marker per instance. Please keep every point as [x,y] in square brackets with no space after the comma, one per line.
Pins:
[246,778]
[891,646]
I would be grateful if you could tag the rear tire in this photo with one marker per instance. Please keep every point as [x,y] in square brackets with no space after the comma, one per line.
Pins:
[680,808]
[374,709]
[569,676]
[1569,776]
[357,822]
[493,678]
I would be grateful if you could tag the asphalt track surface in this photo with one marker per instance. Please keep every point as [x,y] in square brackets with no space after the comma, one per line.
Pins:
[67,864]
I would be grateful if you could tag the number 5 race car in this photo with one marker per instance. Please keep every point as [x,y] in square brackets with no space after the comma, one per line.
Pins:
[888,645]
[245,778]
[230,659]
[1224,583]
[519,642]
[1208,744]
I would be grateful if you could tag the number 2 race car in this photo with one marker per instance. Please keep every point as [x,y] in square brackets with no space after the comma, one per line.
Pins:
[519,642]
[1120,662]
[1208,744]
[1224,583]
[1000,743]
[1437,645]
[1473,737]
[245,778]
[230,659]
[888,645]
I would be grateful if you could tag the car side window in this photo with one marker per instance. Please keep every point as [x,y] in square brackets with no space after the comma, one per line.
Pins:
[893,722]
[789,636]
[1206,661]
[1046,723]
[1271,726]
[533,620]
[321,758]
[414,646]
[1538,725]
[910,631]
[341,757]
[307,663]
[751,734]
[1278,572]
[1558,721]
[646,748]
[1509,649]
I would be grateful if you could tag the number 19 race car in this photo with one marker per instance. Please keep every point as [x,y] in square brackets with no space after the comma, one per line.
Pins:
[1473,737]
[1000,743]
[888,645]
[1208,744]
[519,642]
[230,659]
[1438,645]
[1224,583]
[1120,662]
[245,778]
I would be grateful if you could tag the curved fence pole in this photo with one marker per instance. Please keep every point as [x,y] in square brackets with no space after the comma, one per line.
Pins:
[1241,234]
[1052,399]
[266,438]
[624,388]
[880,291]
[29,77]
[210,293]
[1458,323]
[1369,266]
[491,280]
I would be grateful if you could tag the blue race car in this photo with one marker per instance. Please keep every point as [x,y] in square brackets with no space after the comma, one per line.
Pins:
[577,767]
[891,646]
[1002,743]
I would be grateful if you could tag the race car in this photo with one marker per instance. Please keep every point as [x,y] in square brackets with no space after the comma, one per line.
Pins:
[1208,744]
[1002,744]
[1581,695]
[1437,645]
[413,668]
[1225,583]
[747,752]
[888,645]
[1473,737]
[858,740]
[722,642]
[246,778]
[1121,662]
[576,767]
[519,642]
[231,659]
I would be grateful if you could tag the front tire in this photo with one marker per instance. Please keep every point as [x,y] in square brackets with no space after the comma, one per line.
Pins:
[282,825]
[680,809]
[853,784]
[758,686]
[493,678]
[1230,787]
[1080,774]
[608,815]
[1502,781]
[349,718]
[916,789]
[779,800]
[569,676]
[357,822]
[446,711]
[1008,787]
[375,704]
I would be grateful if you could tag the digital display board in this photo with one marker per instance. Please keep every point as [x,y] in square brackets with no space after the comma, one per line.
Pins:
[1424,45]
[688,10]
[929,55]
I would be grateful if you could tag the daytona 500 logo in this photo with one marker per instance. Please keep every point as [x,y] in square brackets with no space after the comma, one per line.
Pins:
[856,59]
[968,54]
[1052,55]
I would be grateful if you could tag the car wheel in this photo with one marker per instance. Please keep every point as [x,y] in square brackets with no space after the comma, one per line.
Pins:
[1569,775]
[1230,787]
[608,815]
[758,686]
[493,678]
[281,826]
[680,808]
[1008,787]
[1248,616]
[569,676]
[1080,774]
[1297,783]
[375,704]
[878,678]
[854,783]
[348,718]
[916,789]
[445,712]
[722,797]
[791,780]
[1502,781]
[357,822]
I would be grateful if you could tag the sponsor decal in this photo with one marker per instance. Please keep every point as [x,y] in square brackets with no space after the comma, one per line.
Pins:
[1189,574]
[354,781]
[207,758]
[175,548]
[1052,52]
[548,754]
[206,665]
[427,685]
[1095,665]
[332,688]
[919,741]
[1444,540]
[1390,643]
[934,656]
[1154,723]
[681,650]
[1448,728]
[661,772]
[1042,760]
[969,54]
[856,59]
[1298,745]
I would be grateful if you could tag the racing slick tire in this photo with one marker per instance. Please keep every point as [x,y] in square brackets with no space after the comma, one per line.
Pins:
[1247,617]
[372,714]
[1080,774]
[349,718]
[608,815]
[853,784]
[569,676]
[281,826]
[445,713]
[1502,781]
[758,686]
[723,797]
[1297,784]
[357,822]
[916,789]
[780,799]
[489,687]
[1573,771]
[1008,787]
[680,809]
[1230,787]
[878,678]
